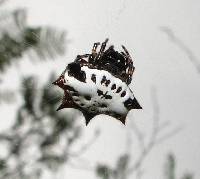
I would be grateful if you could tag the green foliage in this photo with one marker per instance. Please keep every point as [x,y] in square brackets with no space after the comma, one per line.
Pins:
[118,172]
[103,171]
[2,165]
[7,96]
[121,169]
[38,125]
[29,93]
[170,169]
[40,137]
[187,176]
[17,38]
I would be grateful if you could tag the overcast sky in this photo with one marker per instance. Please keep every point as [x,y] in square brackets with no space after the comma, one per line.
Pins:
[158,61]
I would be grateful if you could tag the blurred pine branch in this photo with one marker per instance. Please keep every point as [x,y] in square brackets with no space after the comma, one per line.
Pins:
[16,38]
[170,169]
[38,127]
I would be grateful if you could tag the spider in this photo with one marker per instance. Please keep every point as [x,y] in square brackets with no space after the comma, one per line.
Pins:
[97,83]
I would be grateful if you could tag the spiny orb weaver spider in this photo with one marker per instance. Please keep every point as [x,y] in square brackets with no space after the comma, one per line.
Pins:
[97,83]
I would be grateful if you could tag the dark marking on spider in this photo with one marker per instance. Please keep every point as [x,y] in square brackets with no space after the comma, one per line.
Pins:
[82,76]
[93,109]
[136,104]
[123,94]
[87,97]
[75,93]
[100,93]
[103,105]
[67,87]
[113,87]
[76,72]
[119,89]
[132,104]
[128,103]
[93,78]
[60,81]
[108,97]
[103,80]
[107,82]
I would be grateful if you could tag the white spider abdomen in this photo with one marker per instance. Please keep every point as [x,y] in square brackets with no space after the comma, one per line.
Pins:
[101,92]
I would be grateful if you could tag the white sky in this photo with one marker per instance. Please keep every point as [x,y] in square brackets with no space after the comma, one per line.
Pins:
[158,62]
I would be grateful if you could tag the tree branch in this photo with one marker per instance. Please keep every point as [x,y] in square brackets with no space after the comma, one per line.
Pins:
[178,42]
[154,138]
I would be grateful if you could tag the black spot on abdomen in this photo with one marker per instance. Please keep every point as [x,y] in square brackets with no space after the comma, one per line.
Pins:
[103,105]
[128,103]
[119,89]
[82,77]
[103,80]
[99,92]
[67,87]
[75,94]
[87,97]
[93,78]
[108,97]
[113,87]
[107,82]
[123,94]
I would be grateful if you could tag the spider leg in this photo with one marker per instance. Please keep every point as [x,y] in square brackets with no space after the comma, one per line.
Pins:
[94,49]
[80,59]
[110,48]
[94,53]
[125,50]
[82,56]
[103,46]
[129,63]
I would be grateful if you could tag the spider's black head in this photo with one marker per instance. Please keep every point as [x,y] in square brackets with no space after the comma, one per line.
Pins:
[113,61]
